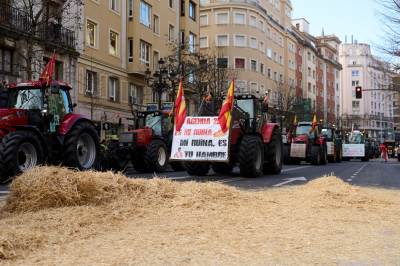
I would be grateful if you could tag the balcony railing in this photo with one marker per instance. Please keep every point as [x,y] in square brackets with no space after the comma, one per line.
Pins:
[16,21]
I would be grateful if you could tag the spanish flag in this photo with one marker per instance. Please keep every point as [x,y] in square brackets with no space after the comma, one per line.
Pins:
[225,115]
[314,121]
[47,74]
[180,108]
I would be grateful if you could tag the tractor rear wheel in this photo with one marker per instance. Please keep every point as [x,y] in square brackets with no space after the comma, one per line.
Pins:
[274,164]
[222,168]
[251,156]
[197,168]
[324,155]
[19,152]
[316,155]
[156,156]
[81,147]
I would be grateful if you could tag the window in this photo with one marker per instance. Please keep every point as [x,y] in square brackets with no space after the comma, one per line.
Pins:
[240,63]
[355,73]
[203,42]
[135,94]
[114,43]
[261,68]
[156,57]
[130,9]
[239,18]
[91,83]
[113,89]
[203,20]
[114,5]
[130,50]
[355,83]
[240,40]
[91,33]
[261,25]
[269,52]
[269,73]
[192,10]
[192,42]
[183,7]
[253,21]
[171,3]
[6,61]
[156,24]
[171,32]
[222,62]
[355,104]
[222,18]
[145,13]
[262,46]
[144,52]
[253,65]
[253,43]
[222,40]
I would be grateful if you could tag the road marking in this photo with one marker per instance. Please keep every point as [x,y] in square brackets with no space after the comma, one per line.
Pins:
[290,180]
[179,177]
[228,180]
[295,168]
[357,172]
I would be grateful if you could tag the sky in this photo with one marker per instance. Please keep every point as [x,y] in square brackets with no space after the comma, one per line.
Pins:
[359,18]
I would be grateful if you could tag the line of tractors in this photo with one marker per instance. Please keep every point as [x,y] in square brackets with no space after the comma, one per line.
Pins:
[38,126]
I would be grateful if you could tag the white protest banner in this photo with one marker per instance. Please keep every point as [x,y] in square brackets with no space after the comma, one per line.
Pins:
[353,150]
[298,150]
[200,139]
[330,148]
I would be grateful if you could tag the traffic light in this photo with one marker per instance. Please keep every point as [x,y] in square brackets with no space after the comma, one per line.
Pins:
[358,92]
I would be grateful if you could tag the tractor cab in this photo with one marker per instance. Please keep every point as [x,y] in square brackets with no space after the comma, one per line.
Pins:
[160,122]
[304,130]
[247,108]
[35,105]
[355,137]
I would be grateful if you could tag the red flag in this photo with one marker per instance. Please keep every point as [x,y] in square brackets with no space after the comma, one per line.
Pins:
[180,108]
[225,115]
[47,74]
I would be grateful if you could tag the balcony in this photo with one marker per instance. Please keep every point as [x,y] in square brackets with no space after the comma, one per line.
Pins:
[14,21]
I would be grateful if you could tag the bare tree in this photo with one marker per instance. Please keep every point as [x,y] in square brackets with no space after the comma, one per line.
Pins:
[38,25]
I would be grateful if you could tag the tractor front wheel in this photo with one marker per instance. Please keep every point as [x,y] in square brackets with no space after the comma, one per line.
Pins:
[81,147]
[316,155]
[251,156]
[197,168]
[19,152]
[324,155]
[156,156]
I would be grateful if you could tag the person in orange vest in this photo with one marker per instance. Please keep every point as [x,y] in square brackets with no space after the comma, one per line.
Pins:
[384,152]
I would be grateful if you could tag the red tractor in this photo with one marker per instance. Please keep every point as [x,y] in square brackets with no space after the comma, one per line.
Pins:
[254,144]
[148,147]
[306,144]
[37,126]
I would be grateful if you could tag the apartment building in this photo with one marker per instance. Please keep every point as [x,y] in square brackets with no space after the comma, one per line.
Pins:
[253,39]
[27,41]
[318,72]
[120,40]
[374,112]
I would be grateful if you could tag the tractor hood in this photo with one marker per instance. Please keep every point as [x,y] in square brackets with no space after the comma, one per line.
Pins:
[13,117]
[301,138]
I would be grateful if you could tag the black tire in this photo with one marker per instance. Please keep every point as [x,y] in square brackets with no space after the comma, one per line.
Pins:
[197,168]
[138,162]
[274,155]
[286,155]
[177,166]
[324,155]
[251,156]
[222,168]
[14,149]
[74,150]
[315,155]
[156,156]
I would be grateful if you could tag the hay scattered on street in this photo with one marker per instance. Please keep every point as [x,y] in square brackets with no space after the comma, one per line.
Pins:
[56,216]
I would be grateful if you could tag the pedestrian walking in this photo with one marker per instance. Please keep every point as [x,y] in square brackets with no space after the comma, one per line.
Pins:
[384,152]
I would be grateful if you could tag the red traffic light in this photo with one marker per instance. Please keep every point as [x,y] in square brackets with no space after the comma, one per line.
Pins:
[358,92]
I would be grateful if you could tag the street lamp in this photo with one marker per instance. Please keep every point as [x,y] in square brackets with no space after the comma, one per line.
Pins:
[162,80]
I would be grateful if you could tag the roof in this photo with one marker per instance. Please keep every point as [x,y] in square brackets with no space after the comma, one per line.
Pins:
[36,84]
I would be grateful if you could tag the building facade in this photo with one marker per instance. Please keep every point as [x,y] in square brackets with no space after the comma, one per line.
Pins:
[254,40]
[318,72]
[120,40]
[374,112]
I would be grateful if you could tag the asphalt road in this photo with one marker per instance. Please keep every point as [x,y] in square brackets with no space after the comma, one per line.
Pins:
[373,173]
